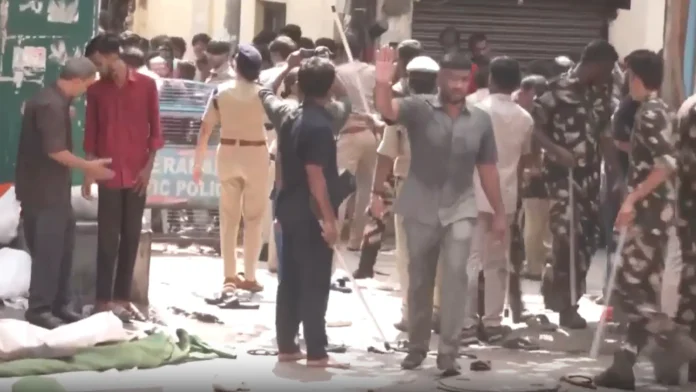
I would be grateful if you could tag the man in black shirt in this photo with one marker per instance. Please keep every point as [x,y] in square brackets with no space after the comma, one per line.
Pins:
[42,180]
[307,205]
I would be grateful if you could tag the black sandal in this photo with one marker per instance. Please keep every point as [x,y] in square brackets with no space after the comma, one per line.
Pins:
[579,380]
[542,323]
[336,348]
[519,343]
[480,366]
[262,352]
[232,302]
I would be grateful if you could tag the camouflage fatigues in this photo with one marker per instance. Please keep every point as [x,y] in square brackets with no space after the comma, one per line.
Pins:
[574,117]
[639,278]
[686,175]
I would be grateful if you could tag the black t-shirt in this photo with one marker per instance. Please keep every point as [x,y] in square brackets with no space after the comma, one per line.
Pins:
[40,181]
[306,138]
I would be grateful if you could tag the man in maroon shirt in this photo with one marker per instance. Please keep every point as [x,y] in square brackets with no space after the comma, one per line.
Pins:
[122,123]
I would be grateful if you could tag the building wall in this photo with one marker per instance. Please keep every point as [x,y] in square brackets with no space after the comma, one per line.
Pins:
[190,17]
[314,16]
[641,27]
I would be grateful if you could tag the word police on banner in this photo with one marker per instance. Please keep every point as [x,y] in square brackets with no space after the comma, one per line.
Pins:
[172,176]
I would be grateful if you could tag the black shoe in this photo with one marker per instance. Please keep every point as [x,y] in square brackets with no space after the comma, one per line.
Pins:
[449,366]
[413,360]
[363,274]
[401,326]
[67,315]
[572,320]
[263,255]
[620,374]
[44,319]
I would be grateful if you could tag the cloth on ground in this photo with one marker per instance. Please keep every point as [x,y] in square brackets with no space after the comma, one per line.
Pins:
[154,351]
[21,340]
[16,272]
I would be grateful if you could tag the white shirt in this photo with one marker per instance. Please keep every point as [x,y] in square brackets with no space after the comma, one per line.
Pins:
[269,75]
[512,127]
[477,96]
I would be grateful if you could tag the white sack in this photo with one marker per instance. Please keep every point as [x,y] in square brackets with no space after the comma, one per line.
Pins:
[9,216]
[15,273]
[84,209]
[19,339]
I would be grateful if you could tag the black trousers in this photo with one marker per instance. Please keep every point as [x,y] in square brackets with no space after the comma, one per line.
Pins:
[303,289]
[120,215]
[50,238]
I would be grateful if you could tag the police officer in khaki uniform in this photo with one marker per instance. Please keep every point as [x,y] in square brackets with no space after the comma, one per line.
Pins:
[357,143]
[242,165]
[394,149]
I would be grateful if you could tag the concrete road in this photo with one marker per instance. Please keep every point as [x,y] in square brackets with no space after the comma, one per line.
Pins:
[182,278]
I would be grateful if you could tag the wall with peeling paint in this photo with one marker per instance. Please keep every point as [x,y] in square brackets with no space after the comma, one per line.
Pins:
[36,38]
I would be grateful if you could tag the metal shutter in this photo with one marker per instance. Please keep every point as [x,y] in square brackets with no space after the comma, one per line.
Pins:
[537,29]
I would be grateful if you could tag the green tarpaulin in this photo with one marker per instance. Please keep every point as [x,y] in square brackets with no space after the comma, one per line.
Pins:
[151,352]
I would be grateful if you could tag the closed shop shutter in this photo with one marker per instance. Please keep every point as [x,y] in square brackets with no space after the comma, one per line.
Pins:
[536,29]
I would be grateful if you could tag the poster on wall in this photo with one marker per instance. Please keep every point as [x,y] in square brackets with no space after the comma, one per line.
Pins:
[64,11]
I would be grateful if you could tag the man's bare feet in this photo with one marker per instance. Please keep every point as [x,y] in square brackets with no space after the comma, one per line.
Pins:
[294,357]
[327,363]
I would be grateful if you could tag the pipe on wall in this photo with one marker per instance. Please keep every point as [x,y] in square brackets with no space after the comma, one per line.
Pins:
[690,49]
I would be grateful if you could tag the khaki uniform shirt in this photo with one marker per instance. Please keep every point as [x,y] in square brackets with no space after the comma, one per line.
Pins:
[395,145]
[235,105]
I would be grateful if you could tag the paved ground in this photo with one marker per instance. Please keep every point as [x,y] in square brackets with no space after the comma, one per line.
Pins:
[182,279]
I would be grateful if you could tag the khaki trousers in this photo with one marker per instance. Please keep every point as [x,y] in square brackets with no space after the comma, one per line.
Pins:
[357,153]
[243,174]
[537,234]
[402,260]
[491,257]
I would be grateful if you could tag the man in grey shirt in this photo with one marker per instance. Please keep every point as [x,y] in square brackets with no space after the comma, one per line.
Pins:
[42,181]
[448,141]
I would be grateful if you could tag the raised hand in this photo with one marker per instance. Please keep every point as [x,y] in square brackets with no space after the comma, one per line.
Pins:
[385,66]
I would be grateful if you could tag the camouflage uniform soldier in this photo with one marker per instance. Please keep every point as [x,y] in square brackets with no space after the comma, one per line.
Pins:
[648,213]
[571,121]
[686,174]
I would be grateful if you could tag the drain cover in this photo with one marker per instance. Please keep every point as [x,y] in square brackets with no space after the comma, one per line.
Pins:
[498,381]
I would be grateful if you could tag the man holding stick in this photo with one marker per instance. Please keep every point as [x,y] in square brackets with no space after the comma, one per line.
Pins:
[307,206]
[648,215]
[448,140]
[570,122]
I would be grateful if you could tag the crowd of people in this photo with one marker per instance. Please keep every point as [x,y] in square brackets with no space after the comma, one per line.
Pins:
[489,169]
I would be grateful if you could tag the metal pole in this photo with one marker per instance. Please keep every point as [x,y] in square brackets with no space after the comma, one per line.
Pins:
[358,291]
[571,222]
[599,332]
